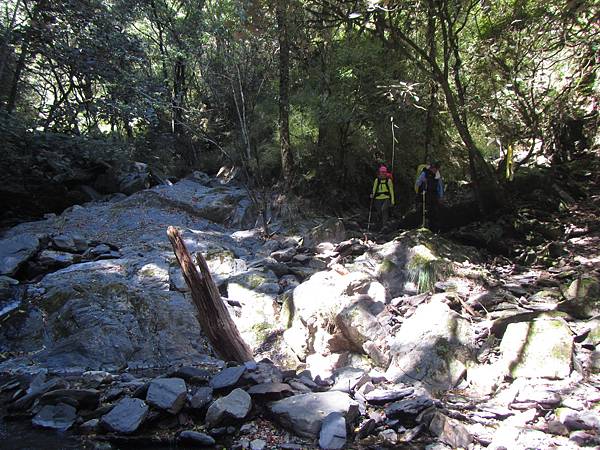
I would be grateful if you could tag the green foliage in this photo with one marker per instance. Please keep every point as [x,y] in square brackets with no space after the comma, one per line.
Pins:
[195,84]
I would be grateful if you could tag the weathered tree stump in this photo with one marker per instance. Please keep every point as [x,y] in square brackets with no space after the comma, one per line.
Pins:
[213,316]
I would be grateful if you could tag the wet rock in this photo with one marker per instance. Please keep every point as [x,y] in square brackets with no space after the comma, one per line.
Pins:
[541,348]
[227,378]
[58,417]
[201,398]
[333,432]
[234,406]
[126,417]
[450,431]
[196,438]
[304,413]
[167,393]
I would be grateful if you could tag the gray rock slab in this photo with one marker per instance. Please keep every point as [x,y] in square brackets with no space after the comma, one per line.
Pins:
[270,391]
[196,438]
[58,417]
[333,432]
[126,416]
[408,408]
[540,348]
[69,243]
[15,251]
[167,393]
[234,406]
[53,259]
[379,396]
[191,374]
[227,378]
[84,398]
[433,346]
[304,413]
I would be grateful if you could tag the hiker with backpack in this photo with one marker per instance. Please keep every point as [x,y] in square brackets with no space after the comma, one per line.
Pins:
[430,189]
[383,194]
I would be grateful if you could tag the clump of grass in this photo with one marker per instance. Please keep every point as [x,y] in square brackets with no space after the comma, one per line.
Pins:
[425,269]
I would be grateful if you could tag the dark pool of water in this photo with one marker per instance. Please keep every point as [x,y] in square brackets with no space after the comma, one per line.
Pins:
[21,435]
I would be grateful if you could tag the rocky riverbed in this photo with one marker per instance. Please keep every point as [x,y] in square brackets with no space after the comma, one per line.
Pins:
[413,340]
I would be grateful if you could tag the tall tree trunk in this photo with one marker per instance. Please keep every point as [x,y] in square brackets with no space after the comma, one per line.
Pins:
[287,160]
[178,96]
[432,110]
[214,318]
[7,38]
[14,87]
[487,189]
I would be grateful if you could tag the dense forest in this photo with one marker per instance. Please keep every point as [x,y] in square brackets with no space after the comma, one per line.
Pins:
[307,95]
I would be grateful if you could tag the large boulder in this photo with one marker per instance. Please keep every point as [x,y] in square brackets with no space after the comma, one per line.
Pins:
[304,414]
[256,291]
[540,348]
[432,346]
[317,302]
[104,315]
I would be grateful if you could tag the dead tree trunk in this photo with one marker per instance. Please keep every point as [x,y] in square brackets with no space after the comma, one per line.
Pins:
[214,318]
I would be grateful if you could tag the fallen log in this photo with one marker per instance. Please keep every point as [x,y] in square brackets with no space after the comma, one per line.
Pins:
[213,316]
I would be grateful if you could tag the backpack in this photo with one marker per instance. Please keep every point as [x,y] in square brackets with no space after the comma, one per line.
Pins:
[420,169]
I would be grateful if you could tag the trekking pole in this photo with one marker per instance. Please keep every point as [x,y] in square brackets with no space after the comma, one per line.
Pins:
[369,221]
[423,225]
[393,144]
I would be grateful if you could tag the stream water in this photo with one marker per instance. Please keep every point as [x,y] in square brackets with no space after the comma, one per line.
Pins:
[21,435]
